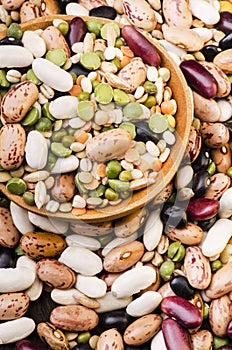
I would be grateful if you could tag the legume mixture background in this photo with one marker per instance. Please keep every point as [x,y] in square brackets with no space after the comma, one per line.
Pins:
[169,285]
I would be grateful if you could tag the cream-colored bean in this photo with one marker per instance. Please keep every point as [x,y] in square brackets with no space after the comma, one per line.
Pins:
[221,282]
[12,331]
[220,313]
[110,302]
[152,230]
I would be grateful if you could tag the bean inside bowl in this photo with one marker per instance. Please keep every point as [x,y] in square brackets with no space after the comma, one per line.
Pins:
[101,119]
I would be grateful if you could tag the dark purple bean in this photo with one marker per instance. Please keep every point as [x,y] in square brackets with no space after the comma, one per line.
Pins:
[82,346]
[181,287]
[210,51]
[225,23]
[201,181]
[199,79]
[140,45]
[6,257]
[175,336]
[202,209]
[226,42]
[115,319]
[206,224]
[225,347]
[103,11]
[144,134]
[11,41]
[27,345]
[229,329]
[145,346]
[173,216]
[77,30]
[181,309]
[202,160]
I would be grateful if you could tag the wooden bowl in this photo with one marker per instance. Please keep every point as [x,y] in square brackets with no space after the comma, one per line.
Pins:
[183,122]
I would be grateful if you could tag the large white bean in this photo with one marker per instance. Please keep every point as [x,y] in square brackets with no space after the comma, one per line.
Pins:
[20,218]
[64,107]
[75,9]
[81,260]
[133,281]
[83,241]
[109,303]
[52,75]
[50,225]
[64,296]
[34,43]
[12,56]
[225,210]
[65,165]
[12,331]
[204,11]
[15,279]
[217,237]
[153,230]
[93,287]
[144,304]
[36,150]
[116,242]
[158,342]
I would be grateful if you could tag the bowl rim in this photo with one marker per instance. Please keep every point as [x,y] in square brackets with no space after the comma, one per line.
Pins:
[144,196]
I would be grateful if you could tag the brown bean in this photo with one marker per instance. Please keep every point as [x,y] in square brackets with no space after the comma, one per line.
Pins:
[52,336]
[190,235]
[64,188]
[222,158]
[219,183]
[202,340]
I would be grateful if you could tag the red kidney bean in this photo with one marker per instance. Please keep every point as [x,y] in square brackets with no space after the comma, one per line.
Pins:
[185,312]
[229,329]
[199,79]
[225,23]
[140,45]
[77,30]
[175,336]
[27,345]
[103,11]
[181,287]
[202,209]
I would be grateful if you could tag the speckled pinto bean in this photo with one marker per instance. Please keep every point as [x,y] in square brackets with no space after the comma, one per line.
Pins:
[54,39]
[74,318]
[39,245]
[221,282]
[177,13]
[55,273]
[192,234]
[215,135]
[202,340]
[13,305]
[220,313]
[110,339]
[9,236]
[182,310]
[18,100]
[134,9]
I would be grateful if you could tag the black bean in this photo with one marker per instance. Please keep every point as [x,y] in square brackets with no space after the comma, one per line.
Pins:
[206,224]
[78,69]
[202,160]
[6,257]
[225,23]
[144,134]
[181,287]
[146,346]
[173,215]
[118,319]
[226,42]
[11,41]
[201,181]
[103,11]
[210,51]
[63,4]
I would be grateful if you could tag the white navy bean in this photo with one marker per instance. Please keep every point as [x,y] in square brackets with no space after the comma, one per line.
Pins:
[225,202]
[83,241]
[65,165]
[217,237]
[184,176]
[25,261]
[86,85]
[153,230]
[50,225]
[40,194]
[64,296]
[91,286]
[20,218]
[226,110]
[15,279]
[133,281]
[12,56]
[204,11]
[52,75]
[64,107]
[34,43]
[144,304]
[75,9]
[88,263]
[36,150]
[110,302]
[12,331]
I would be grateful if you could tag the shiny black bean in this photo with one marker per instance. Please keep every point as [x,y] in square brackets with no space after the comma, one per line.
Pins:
[202,160]
[145,346]
[229,329]
[226,42]
[144,134]
[225,23]
[181,287]
[78,69]
[200,183]
[206,224]
[77,30]
[118,319]
[6,257]
[210,51]
[103,11]
[11,41]
[173,216]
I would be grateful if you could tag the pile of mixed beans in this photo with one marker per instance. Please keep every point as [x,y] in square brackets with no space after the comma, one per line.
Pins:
[159,278]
